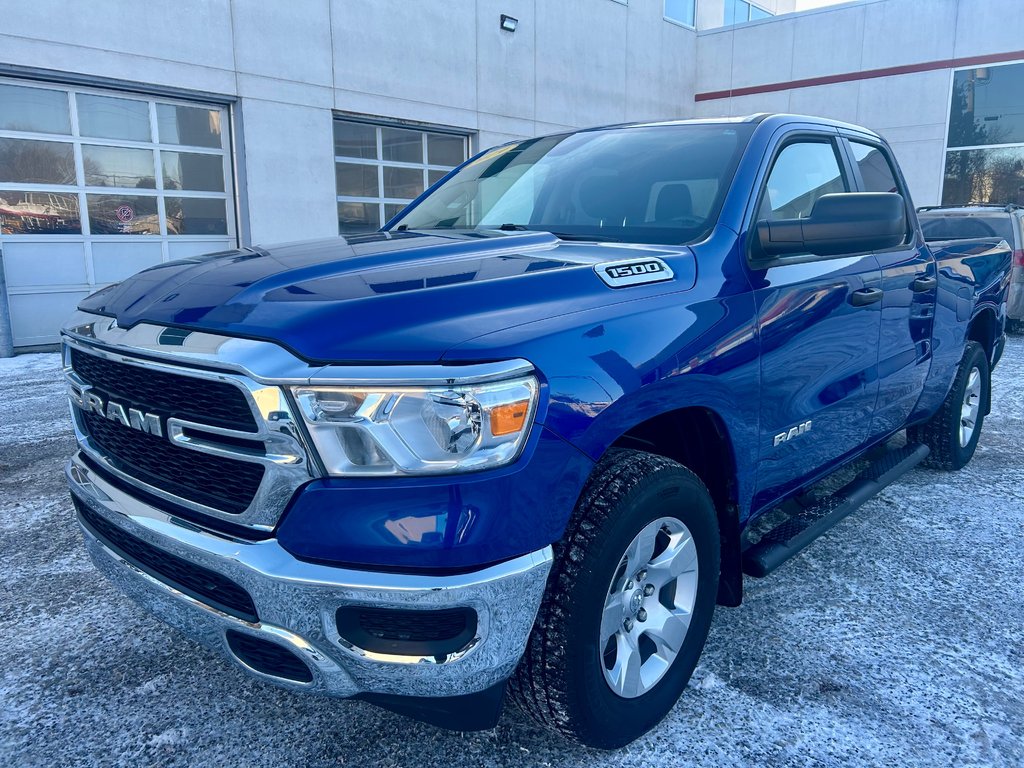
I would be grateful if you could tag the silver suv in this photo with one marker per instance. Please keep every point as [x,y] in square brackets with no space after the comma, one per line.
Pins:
[959,222]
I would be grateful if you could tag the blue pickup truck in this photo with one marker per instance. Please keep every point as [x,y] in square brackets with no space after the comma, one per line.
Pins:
[513,443]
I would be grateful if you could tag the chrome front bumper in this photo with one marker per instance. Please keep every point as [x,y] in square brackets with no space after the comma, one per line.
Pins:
[297,602]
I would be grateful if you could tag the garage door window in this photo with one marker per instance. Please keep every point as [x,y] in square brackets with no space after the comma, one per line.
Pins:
[93,141]
[97,185]
[379,169]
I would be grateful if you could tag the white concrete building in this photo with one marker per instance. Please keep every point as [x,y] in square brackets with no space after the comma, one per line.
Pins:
[134,133]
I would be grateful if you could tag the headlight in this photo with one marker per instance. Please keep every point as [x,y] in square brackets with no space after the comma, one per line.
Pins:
[418,430]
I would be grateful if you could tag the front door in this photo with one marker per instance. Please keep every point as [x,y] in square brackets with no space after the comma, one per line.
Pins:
[818,320]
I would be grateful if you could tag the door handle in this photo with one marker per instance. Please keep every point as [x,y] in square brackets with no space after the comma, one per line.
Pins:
[923,284]
[866,296]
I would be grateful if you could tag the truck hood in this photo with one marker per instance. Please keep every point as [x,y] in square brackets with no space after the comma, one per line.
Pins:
[388,297]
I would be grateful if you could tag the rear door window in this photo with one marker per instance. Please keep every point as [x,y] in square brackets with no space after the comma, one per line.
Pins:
[876,170]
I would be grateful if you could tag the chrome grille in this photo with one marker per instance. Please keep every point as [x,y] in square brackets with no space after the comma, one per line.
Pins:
[210,402]
[227,451]
[214,481]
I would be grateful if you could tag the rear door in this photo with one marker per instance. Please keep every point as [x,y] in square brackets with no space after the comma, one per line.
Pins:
[818,320]
[909,283]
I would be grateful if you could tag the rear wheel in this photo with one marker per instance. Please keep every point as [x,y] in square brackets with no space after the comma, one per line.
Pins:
[952,434]
[628,606]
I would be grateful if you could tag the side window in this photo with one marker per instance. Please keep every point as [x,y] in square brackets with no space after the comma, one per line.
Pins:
[803,172]
[874,168]
[875,171]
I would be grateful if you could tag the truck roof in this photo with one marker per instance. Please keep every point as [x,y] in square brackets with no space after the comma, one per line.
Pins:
[774,118]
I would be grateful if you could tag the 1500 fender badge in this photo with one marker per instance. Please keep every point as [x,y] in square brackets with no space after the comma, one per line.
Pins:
[619,274]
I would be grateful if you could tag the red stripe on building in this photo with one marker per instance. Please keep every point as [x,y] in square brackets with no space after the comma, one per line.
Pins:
[866,74]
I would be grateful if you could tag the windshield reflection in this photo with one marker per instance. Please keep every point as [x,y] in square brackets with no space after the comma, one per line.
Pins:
[661,184]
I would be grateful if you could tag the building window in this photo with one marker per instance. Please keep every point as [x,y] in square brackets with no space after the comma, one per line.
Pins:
[985,142]
[64,152]
[379,169]
[681,11]
[96,185]
[740,11]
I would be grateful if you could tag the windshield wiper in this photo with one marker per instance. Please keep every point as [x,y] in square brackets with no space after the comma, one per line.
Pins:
[559,235]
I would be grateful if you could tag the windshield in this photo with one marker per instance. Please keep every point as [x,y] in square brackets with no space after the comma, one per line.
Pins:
[651,184]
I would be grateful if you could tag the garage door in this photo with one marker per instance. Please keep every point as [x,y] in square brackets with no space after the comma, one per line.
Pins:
[96,185]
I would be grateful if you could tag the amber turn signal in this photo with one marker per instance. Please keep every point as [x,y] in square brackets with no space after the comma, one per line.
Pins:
[509,418]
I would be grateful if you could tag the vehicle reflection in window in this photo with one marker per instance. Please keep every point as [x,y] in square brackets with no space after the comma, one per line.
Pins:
[39,213]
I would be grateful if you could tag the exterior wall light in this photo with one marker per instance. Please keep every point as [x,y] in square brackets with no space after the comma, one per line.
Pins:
[509,23]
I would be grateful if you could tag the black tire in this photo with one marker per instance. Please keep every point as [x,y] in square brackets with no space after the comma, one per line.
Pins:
[560,681]
[942,432]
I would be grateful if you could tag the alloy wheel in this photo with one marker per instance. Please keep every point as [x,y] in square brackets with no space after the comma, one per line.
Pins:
[648,607]
[971,406]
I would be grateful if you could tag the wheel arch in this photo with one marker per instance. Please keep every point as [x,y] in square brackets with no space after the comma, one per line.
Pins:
[698,438]
[984,329]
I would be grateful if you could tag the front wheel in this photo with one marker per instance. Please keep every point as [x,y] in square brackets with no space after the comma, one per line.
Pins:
[628,606]
[952,434]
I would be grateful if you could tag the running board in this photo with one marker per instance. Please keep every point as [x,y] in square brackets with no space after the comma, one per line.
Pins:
[794,535]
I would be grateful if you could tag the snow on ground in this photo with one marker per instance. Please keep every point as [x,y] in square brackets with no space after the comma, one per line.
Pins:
[896,640]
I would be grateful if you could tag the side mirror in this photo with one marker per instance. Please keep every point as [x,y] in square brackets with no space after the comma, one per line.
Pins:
[846,222]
